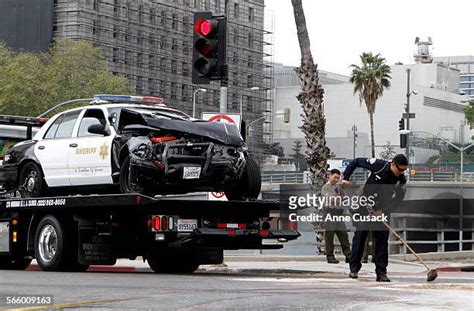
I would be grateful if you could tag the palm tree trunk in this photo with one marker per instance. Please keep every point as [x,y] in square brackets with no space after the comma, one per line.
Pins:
[372,139]
[311,99]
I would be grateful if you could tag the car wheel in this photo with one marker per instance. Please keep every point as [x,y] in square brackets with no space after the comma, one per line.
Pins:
[126,184]
[7,263]
[249,184]
[171,265]
[53,251]
[31,182]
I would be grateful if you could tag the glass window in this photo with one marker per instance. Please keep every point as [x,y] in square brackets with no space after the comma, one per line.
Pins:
[91,117]
[53,128]
[67,124]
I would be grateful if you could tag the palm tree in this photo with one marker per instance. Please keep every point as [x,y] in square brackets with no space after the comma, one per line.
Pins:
[370,79]
[311,99]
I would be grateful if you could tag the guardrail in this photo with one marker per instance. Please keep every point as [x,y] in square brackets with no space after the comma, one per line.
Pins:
[303,177]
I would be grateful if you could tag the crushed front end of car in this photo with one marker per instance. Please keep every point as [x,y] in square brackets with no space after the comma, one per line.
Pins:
[180,156]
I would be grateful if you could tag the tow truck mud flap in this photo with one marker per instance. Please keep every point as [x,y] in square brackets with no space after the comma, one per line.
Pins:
[4,237]
[94,249]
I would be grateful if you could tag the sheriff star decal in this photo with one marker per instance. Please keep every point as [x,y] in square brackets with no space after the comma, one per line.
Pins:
[104,151]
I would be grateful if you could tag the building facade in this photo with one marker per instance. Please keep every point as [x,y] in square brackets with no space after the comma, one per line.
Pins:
[437,106]
[150,43]
[465,65]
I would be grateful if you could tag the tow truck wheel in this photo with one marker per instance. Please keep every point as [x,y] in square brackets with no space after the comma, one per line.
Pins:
[171,265]
[126,185]
[249,185]
[7,263]
[53,251]
[31,183]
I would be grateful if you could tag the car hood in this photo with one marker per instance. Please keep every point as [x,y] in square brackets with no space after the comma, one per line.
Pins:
[224,133]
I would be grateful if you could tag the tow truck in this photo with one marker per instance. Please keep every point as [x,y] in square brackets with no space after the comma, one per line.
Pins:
[174,234]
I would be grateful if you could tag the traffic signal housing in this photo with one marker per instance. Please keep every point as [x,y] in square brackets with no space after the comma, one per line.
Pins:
[209,48]
[403,137]
[401,124]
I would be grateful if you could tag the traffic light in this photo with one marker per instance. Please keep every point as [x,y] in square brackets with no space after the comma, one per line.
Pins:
[209,48]
[403,137]
[286,115]
[401,124]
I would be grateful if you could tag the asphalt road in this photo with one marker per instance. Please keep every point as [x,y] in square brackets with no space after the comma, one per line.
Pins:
[246,289]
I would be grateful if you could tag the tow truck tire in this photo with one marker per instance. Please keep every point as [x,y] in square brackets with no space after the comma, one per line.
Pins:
[249,184]
[53,250]
[7,263]
[32,181]
[168,265]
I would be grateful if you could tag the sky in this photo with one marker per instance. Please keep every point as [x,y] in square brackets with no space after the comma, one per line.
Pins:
[340,30]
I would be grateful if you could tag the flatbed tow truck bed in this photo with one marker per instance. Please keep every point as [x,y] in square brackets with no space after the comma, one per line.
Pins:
[69,233]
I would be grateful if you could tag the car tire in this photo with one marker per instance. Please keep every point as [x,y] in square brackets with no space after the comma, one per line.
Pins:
[7,263]
[31,182]
[53,250]
[249,184]
[124,179]
[171,265]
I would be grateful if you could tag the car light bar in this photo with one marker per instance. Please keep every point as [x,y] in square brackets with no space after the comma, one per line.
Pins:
[129,98]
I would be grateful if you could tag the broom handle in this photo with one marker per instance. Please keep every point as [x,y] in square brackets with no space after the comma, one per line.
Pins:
[406,244]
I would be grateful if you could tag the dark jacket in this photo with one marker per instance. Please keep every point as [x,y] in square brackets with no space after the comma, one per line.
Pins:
[388,189]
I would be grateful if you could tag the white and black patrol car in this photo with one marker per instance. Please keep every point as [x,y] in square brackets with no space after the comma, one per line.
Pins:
[135,144]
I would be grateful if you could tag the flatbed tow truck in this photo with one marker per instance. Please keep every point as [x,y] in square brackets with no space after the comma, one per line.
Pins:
[174,234]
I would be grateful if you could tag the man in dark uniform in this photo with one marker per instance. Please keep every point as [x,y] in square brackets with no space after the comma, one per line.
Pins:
[386,184]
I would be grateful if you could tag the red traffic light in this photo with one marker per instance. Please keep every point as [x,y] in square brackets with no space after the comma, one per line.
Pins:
[205,27]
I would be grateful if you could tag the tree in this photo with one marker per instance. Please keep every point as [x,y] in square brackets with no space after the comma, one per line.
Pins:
[370,80]
[30,83]
[388,152]
[311,99]
[277,149]
[298,156]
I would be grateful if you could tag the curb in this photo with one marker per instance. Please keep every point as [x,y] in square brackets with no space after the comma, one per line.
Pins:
[35,267]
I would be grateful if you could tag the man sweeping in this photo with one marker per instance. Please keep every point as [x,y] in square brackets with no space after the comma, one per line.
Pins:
[385,184]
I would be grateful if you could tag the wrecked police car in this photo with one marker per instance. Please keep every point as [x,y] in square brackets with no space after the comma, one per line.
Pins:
[135,144]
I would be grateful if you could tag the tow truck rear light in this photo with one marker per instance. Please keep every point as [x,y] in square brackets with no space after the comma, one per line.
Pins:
[264,232]
[157,223]
[164,223]
[223,225]
[170,223]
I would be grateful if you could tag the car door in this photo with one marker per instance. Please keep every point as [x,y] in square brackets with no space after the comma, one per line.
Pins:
[89,155]
[51,149]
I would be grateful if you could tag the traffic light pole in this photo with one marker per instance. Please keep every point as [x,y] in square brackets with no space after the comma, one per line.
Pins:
[223,97]
[407,110]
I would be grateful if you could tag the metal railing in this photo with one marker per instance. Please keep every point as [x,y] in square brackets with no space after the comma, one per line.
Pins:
[303,177]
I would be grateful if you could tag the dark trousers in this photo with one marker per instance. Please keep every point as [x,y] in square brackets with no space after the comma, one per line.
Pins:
[380,254]
[343,239]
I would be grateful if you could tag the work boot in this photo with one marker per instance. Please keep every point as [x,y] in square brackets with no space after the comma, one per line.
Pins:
[332,260]
[382,278]
[353,275]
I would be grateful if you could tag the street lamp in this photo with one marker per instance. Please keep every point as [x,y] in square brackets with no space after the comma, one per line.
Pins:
[194,100]
[407,110]
[254,121]
[254,88]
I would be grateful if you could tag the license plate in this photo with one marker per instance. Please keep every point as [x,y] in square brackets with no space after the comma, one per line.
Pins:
[192,172]
[187,225]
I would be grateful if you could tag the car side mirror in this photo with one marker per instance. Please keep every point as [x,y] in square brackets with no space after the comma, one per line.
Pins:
[99,129]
